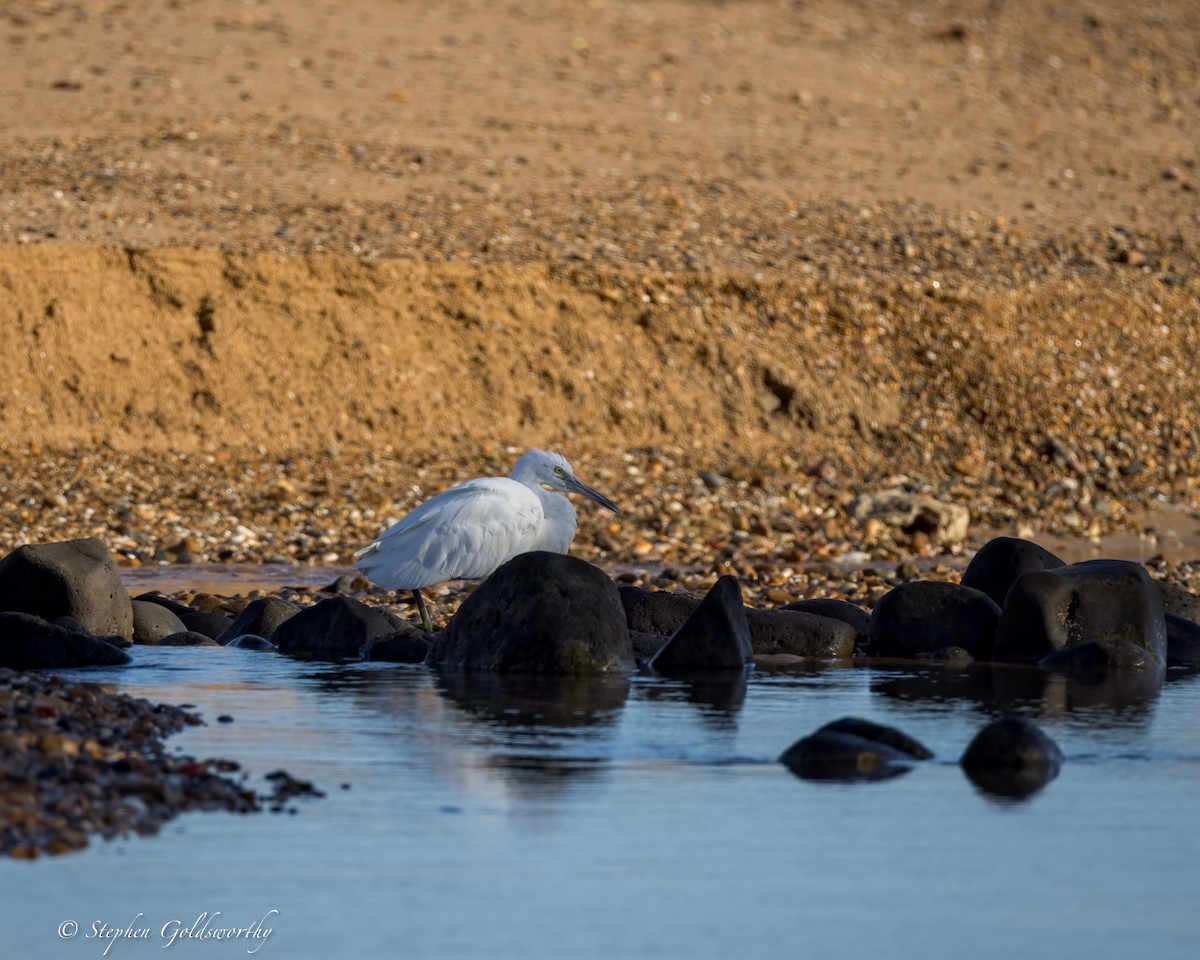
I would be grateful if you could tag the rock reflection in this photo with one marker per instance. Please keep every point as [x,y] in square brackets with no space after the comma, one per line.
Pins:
[720,694]
[1116,699]
[537,701]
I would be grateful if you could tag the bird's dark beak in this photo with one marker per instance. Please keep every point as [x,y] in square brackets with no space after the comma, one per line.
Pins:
[578,486]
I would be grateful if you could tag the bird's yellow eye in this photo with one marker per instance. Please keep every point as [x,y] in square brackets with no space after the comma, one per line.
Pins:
[558,471]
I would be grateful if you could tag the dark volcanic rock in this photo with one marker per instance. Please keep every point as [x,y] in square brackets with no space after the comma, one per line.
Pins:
[336,627]
[1011,757]
[926,615]
[28,642]
[1178,600]
[1095,658]
[715,636]
[211,624]
[800,634]
[539,613]
[405,646]
[1183,642]
[656,612]
[177,608]
[74,578]
[813,634]
[853,749]
[260,617]
[188,638]
[153,621]
[851,613]
[1001,560]
[250,641]
[1097,601]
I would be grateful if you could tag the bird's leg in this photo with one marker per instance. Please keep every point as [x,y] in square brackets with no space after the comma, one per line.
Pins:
[426,623]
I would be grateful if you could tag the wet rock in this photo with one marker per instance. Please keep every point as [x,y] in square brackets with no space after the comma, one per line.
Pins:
[800,634]
[28,642]
[260,617]
[74,578]
[1001,560]
[656,612]
[948,657]
[1105,602]
[152,622]
[645,645]
[927,615]
[211,624]
[543,613]
[1178,600]
[250,641]
[844,610]
[188,638]
[912,514]
[334,627]
[177,608]
[715,637]
[1095,658]
[853,749]
[1012,758]
[406,646]
[1183,642]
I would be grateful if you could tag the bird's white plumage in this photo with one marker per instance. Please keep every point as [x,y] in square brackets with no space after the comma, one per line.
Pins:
[466,532]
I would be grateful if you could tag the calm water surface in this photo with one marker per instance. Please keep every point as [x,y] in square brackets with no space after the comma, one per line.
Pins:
[641,818]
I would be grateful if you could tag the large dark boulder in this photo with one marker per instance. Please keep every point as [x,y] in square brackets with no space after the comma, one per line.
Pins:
[1001,560]
[853,749]
[153,621]
[543,613]
[715,637]
[851,613]
[1011,758]
[28,642]
[1104,602]
[260,617]
[74,578]
[924,616]
[336,627]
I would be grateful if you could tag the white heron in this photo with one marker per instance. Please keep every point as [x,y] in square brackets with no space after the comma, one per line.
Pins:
[466,532]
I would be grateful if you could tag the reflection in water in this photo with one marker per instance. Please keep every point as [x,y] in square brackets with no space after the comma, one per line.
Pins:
[1120,699]
[533,700]
[719,694]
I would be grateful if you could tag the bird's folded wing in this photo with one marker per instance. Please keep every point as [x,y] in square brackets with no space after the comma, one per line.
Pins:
[463,533]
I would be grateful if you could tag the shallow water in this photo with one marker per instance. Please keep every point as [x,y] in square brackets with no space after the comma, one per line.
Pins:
[641,818]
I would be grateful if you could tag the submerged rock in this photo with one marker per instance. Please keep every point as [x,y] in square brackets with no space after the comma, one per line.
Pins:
[540,612]
[853,749]
[1011,757]
[250,641]
[404,646]
[73,578]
